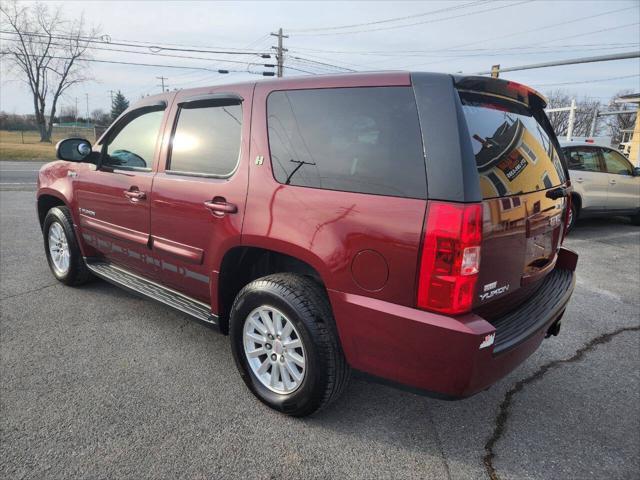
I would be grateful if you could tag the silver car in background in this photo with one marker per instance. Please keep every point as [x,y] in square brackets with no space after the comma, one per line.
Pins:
[604,182]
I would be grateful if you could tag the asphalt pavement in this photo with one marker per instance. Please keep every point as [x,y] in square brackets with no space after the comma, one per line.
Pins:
[18,175]
[96,383]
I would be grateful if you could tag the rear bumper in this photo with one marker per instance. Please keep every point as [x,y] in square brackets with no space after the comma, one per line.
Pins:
[442,355]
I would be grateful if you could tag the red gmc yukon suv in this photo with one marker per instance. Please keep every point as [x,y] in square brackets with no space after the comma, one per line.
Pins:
[405,226]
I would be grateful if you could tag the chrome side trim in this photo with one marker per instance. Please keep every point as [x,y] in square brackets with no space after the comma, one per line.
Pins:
[137,284]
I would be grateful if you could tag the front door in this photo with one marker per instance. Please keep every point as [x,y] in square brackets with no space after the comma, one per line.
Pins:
[624,188]
[113,199]
[199,192]
[587,170]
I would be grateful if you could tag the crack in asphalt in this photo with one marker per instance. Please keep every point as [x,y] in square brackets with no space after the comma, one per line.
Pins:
[28,292]
[439,444]
[504,410]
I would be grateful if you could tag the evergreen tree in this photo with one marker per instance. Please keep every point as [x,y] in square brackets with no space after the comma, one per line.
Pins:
[119,105]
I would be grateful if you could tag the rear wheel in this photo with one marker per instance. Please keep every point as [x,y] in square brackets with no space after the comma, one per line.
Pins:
[635,219]
[63,254]
[285,344]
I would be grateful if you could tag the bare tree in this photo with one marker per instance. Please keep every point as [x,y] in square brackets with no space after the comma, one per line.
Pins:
[47,52]
[617,123]
[585,110]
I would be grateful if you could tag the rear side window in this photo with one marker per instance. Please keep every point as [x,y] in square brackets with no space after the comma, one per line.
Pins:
[514,153]
[363,140]
[583,159]
[207,140]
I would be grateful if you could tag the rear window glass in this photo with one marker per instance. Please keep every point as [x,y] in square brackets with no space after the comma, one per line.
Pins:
[363,140]
[514,153]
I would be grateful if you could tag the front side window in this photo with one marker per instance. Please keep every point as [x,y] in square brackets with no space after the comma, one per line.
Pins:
[364,140]
[134,144]
[616,163]
[207,139]
[584,159]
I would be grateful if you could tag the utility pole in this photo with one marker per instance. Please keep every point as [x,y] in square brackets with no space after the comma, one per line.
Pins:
[572,119]
[87,117]
[594,120]
[111,92]
[76,113]
[162,79]
[280,51]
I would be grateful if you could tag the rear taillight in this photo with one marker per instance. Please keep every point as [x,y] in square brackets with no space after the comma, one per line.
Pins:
[450,257]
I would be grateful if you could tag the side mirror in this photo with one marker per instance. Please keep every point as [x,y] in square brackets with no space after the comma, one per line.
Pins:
[73,149]
[636,171]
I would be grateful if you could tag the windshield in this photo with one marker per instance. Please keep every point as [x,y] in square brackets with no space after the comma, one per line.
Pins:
[514,153]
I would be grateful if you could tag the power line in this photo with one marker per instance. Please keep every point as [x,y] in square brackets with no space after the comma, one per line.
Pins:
[189,57]
[544,27]
[595,80]
[145,43]
[432,12]
[619,27]
[393,27]
[153,47]
[323,63]
[93,60]
[444,50]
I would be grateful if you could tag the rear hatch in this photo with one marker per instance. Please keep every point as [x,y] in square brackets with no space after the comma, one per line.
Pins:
[522,180]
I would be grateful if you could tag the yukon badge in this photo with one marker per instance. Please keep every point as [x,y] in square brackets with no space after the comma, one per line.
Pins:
[491,291]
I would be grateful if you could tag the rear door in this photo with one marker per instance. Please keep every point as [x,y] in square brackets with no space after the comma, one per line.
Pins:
[199,192]
[521,178]
[589,175]
[624,188]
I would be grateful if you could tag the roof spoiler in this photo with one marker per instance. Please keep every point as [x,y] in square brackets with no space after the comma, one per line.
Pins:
[502,88]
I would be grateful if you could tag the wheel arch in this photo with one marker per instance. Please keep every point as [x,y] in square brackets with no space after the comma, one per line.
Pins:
[576,200]
[46,201]
[243,264]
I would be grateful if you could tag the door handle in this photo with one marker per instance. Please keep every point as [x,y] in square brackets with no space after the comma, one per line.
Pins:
[580,180]
[612,182]
[219,206]
[135,195]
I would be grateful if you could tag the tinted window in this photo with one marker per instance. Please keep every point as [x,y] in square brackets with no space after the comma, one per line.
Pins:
[135,144]
[353,139]
[514,153]
[616,163]
[207,140]
[583,159]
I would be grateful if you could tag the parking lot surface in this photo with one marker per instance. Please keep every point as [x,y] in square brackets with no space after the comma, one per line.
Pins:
[96,383]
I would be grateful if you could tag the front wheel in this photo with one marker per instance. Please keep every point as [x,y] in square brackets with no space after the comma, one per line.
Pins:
[63,254]
[285,344]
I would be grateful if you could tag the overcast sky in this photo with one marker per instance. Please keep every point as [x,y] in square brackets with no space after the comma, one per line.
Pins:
[442,36]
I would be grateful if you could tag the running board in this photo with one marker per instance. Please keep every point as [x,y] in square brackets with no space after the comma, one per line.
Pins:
[139,285]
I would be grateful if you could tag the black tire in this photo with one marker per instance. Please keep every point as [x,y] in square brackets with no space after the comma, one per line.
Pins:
[635,219]
[573,216]
[77,273]
[306,305]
